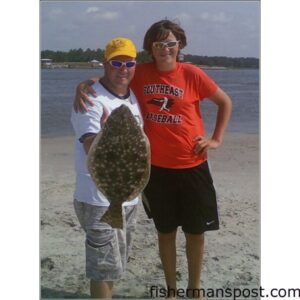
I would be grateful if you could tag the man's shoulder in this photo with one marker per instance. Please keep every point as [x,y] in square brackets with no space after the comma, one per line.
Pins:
[98,88]
[133,98]
[101,93]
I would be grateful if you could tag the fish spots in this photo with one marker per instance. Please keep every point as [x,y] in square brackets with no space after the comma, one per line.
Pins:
[119,161]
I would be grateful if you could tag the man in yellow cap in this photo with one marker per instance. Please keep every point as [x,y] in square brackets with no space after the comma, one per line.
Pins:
[107,249]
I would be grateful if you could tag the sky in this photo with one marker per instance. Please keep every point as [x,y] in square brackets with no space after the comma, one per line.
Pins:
[213,28]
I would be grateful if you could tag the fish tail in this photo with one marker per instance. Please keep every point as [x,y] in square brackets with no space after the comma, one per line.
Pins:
[113,216]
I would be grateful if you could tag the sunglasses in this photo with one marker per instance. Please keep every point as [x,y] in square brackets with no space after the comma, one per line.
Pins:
[119,64]
[162,45]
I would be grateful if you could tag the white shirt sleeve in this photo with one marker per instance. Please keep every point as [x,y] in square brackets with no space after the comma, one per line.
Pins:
[87,122]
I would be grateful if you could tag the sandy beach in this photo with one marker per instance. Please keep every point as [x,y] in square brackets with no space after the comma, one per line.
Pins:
[232,254]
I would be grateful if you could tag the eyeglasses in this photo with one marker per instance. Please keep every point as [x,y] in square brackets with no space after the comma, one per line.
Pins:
[119,64]
[162,45]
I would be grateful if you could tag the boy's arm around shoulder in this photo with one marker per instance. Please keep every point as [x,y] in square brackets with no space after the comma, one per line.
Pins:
[82,95]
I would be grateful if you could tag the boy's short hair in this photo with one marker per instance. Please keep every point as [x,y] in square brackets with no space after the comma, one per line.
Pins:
[160,30]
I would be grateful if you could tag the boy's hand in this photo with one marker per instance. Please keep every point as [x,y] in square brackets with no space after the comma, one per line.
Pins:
[83,92]
[203,144]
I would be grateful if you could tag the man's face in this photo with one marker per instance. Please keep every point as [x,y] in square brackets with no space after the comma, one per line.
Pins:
[120,70]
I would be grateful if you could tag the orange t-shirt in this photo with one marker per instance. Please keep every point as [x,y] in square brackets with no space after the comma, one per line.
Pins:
[169,102]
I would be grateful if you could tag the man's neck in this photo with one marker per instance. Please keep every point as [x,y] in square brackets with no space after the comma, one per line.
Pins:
[119,90]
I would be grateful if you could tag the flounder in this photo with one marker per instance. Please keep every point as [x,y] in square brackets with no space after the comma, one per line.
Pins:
[119,162]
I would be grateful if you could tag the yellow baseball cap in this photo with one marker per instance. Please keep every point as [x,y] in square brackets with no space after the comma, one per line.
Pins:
[120,46]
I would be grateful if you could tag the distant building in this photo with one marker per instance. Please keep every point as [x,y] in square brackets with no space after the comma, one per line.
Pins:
[95,63]
[181,57]
[46,62]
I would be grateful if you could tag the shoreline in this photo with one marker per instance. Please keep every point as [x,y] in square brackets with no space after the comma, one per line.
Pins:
[232,254]
[70,135]
[55,67]
[91,65]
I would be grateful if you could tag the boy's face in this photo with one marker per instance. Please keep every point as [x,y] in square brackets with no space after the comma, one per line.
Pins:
[164,54]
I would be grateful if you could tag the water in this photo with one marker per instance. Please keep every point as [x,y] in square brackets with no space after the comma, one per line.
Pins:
[58,90]
[243,88]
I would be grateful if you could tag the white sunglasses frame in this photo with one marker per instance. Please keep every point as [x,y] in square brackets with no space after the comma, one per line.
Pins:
[123,63]
[164,45]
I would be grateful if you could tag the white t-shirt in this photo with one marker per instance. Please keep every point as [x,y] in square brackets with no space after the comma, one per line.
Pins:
[90,122]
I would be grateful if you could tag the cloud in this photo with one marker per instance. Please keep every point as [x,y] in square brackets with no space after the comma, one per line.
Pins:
[183,16]
[109,15]
[219,17]
[92,10]
[95,13]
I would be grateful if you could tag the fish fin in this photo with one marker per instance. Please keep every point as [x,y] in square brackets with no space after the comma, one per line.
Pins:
[113,216]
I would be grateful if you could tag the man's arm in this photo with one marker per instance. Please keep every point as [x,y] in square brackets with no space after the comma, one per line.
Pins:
[223,101]
[88,142]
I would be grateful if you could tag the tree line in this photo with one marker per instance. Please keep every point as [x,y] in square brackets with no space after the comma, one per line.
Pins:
[80,55]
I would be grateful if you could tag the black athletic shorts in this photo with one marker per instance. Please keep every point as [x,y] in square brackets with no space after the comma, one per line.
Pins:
[182,197]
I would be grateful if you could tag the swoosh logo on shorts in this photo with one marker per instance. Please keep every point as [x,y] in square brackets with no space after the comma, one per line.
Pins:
[209,223]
